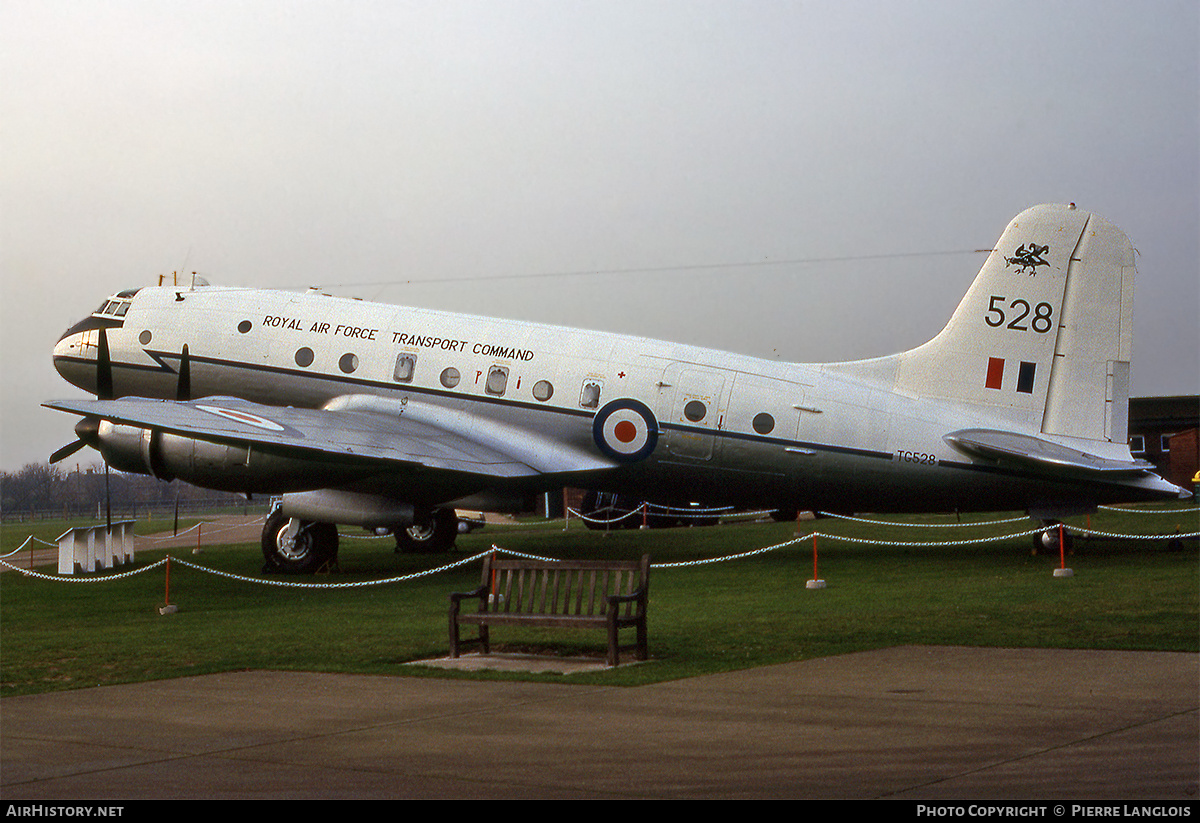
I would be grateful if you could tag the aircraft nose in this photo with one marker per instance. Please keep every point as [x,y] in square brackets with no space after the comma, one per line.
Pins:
[68,357]
[81,357]
[68,345]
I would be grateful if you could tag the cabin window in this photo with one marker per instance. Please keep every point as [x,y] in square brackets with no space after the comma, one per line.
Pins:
[406,365]
[589,395]
[450,377]
[763,423]
[348,362]
[1137,444]
[1164,442]
[695,411]
[145,337]
[245,326]
[304,357]
[542,390]
[497,381]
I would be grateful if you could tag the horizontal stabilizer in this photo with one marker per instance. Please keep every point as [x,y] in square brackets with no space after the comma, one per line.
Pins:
[1010,447]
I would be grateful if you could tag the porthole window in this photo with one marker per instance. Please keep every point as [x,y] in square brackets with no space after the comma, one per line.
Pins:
[406,366]
[497,381]
[589,395]
[348,362]
[245,326]
[145,337]
[764,423]
[450,377]
[542,390]
[695,411]
[304,357]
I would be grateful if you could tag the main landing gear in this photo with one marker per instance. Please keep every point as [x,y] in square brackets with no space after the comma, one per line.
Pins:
[297,546]
[434,533]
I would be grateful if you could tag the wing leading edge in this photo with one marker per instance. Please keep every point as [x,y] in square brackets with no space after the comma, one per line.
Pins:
[400,434]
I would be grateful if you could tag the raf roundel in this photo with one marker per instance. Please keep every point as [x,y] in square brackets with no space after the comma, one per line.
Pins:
[625,430]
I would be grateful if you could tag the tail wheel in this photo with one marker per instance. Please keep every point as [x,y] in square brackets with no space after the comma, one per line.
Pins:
[433,534]
[311,547]
[1047,540]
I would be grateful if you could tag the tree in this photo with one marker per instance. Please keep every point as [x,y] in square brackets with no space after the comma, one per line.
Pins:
[35,486]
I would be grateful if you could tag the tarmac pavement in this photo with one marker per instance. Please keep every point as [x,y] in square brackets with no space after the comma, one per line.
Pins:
[929,723]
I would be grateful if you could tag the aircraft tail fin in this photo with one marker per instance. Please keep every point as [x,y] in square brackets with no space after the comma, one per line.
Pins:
[1044,335]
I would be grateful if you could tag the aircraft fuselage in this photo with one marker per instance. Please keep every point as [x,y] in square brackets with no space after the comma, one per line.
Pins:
[695,424]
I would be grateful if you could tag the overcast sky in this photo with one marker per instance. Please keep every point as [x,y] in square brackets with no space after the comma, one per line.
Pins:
[683,150]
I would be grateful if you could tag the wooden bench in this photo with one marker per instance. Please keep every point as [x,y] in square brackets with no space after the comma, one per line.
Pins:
[586,594]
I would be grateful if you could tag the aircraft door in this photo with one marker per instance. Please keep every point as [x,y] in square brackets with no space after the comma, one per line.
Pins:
[771,407]
[691,410]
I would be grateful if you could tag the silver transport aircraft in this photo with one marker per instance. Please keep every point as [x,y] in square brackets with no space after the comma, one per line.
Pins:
[389,418]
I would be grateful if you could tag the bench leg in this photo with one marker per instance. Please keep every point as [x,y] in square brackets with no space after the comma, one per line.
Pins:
[614,637]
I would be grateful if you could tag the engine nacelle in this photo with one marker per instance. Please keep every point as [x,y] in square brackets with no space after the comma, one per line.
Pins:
[222,466]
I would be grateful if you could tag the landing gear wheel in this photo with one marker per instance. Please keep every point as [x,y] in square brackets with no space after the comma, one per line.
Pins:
[1047,540]
[435,534]
[313,546]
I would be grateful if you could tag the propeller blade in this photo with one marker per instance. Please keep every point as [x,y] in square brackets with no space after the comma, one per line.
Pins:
[104,379]
[67,451]
[183,390]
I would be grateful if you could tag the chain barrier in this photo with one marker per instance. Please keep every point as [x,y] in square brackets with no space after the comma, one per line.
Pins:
[586,519]
[729,557]
[360,584]
[655,510]
[1074,530]
[1093,533]
[921,525]
[1123,510]
[104,578]
[28,540]
[244,579]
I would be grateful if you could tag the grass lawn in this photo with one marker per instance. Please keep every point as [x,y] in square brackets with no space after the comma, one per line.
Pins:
[1134,594]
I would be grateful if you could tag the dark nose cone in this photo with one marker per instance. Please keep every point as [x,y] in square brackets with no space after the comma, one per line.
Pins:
[88,430]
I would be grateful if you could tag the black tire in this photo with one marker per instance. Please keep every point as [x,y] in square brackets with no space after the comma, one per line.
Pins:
[314,546]
[433,535]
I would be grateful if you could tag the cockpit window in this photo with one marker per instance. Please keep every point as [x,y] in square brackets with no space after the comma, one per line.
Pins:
[113,308]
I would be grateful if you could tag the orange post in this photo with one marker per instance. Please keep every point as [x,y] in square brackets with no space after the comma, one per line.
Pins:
[816,582]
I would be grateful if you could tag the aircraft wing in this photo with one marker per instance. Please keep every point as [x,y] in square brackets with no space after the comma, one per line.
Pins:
[1035,452]
[397,433]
